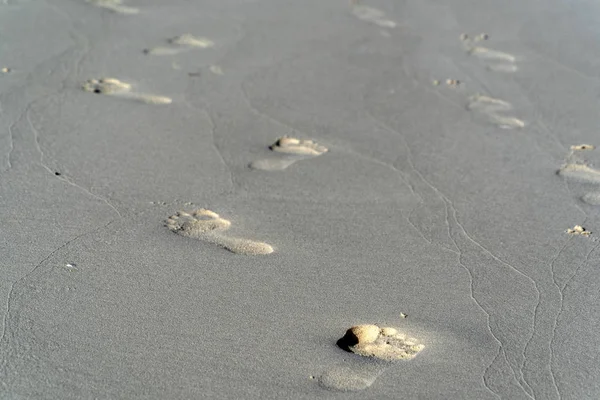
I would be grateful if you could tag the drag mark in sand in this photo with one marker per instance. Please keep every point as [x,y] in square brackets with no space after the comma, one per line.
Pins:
[383,345]
[117,88]
[208,226]
[180,44]
[496,61]
[115,6]
[494,109]
[372,15]
[293,149]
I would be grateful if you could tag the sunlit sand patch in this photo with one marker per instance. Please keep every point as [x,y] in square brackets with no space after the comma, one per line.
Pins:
[381,344]
[180,44]
[592,198]
[493,108]
[114,6]
[497,61]
[293,149]
[578,230]
[115,87]
[580,172]
[208,226]
[372,15]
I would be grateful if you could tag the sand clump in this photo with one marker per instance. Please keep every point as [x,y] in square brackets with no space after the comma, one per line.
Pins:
[208,226]
[578,230]
[382,343]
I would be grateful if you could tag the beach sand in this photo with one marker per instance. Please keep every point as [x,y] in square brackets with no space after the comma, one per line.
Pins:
[433,193]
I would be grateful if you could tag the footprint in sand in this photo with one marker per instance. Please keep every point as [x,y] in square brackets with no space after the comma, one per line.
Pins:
[592,198]
[382,346]
[180,44]
[372,15]
[294,150]
[115,6]
[117,88]
[494,109]
[495,60]
[208,226]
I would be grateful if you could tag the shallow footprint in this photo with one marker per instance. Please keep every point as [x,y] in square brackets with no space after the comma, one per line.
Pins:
[494,109]
[114,6]
[294,150]
[115,87]
[372,15]
[206,225]
[180,44]
[382,345]
[497,61]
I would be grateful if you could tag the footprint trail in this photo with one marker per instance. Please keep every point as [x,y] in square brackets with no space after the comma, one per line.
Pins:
[208,226]
[293,150]
[117,88]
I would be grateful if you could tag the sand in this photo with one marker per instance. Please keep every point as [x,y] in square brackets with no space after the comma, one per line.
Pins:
[439,210]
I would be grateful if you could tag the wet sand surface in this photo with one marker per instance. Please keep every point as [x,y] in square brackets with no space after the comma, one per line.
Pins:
[198,199]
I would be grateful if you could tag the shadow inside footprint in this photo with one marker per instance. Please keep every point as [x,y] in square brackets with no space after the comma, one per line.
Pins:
[293,150]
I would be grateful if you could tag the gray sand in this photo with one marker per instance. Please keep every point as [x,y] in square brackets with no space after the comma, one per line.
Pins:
[429,202]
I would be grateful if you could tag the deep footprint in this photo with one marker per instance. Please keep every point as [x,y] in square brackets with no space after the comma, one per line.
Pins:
[206,225]
[293,149]
[114,6]
[180,44]
[382,345]
[115,87]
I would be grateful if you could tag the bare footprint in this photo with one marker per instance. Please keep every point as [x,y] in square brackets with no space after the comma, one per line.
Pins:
[382,345]
[115,87]
[495,60]
[495,109]
[180,44]
[294,150]
[580,172]
[114,6]
[208,226]
[592,198]
[372,15]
